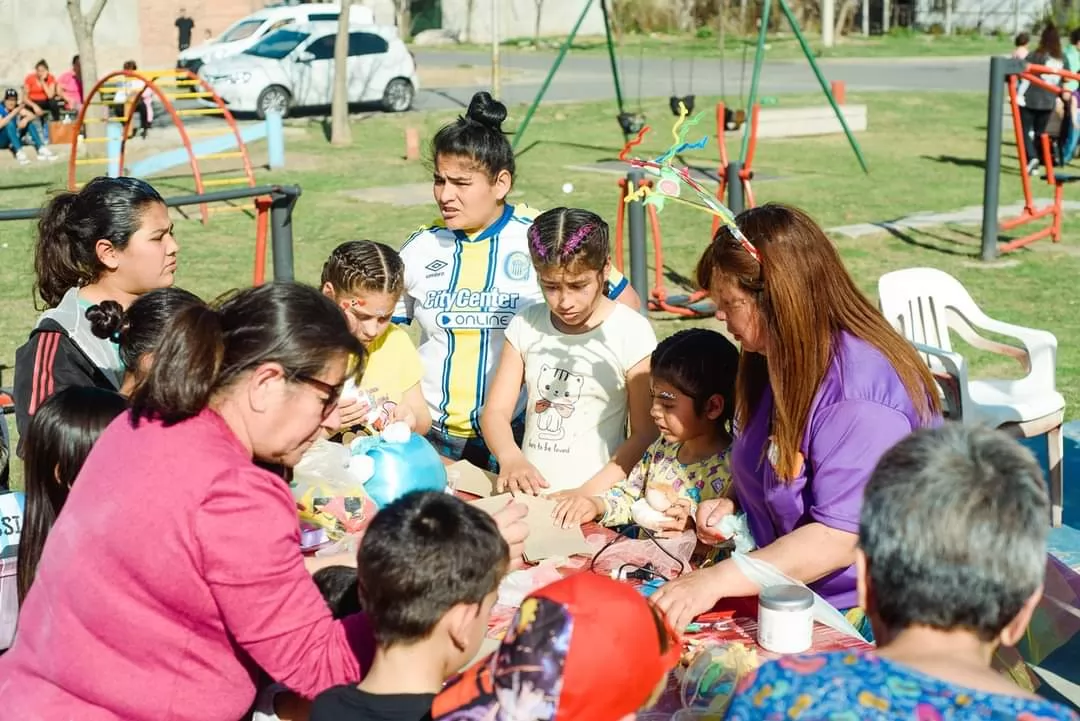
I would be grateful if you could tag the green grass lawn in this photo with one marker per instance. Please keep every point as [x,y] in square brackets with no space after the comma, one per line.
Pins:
[925,153]
[781,45]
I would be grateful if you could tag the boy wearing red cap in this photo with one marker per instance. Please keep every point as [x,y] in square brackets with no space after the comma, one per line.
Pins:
[429,569]
[586,648]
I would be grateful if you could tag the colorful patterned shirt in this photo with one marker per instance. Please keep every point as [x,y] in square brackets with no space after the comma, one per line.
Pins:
[660,468]
[861,686]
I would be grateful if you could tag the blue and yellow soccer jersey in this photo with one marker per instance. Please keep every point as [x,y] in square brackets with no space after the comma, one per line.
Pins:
[463,290]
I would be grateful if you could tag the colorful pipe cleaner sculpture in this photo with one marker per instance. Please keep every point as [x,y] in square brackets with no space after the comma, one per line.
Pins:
[670,179]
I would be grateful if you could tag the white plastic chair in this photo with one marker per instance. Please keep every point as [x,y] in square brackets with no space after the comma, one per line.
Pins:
[924,304]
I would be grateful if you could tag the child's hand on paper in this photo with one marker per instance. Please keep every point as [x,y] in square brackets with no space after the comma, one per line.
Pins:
[517,475]
[573,510]
[709,514]
[511,522]
[679,517]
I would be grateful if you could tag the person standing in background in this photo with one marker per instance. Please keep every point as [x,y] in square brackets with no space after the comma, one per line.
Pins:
[184,26]
[1037,103]
[1020,46]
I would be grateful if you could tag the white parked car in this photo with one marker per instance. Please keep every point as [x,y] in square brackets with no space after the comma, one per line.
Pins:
[294,67]
[244,33]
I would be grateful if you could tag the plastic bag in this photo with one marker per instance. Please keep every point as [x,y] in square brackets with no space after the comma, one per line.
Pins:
[400,462]
[766,575]
[517,585]
[708,683]
[327,494]
[736,528]
[639,552]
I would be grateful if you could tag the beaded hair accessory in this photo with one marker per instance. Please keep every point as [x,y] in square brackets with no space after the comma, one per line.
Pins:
[671,179]
[569,246]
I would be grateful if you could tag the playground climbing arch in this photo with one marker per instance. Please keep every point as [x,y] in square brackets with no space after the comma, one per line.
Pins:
[112,104]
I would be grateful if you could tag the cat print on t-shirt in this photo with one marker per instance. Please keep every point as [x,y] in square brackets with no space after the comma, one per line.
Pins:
[558,391]
[576,414]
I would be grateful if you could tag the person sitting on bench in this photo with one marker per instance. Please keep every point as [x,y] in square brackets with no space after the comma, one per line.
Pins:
[17,122]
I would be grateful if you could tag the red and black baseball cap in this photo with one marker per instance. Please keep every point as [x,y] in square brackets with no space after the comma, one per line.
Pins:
[586,648]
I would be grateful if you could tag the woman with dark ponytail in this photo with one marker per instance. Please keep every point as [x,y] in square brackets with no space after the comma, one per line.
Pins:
[468,274]
[111,241]
[174,571]
[138,330]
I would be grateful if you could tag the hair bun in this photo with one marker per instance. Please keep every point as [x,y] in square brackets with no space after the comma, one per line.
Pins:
[106,318]
[486,110]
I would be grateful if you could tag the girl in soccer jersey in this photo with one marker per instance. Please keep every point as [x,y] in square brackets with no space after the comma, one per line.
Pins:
[468,274]
[584,360]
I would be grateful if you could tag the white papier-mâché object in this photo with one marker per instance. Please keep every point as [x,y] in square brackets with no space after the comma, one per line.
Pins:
[646,516]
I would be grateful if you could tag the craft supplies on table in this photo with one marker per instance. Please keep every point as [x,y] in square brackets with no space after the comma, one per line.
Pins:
[312,537]
[786,619]
[327,495]
[471,480]
[546,540]
[707,683]
[730,630]
[396,462]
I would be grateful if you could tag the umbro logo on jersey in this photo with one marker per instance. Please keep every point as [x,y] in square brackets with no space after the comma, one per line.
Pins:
[436,265]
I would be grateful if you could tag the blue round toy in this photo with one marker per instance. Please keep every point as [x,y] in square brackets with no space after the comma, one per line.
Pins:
[400,467]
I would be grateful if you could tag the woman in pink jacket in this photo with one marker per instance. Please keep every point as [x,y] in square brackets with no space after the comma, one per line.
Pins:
[174,572]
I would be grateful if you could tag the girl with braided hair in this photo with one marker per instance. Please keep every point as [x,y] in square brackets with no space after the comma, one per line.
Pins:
[366,280]
[584,360]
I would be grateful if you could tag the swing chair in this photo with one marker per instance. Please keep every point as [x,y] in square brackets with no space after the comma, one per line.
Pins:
[731,115]
[676,101]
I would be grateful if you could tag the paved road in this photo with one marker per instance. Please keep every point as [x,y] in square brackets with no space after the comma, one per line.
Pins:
[589,77]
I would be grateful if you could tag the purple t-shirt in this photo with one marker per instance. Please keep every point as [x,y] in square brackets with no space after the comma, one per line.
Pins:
[861,410]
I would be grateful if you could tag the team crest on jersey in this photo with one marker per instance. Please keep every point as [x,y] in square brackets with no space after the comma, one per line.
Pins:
[517,266]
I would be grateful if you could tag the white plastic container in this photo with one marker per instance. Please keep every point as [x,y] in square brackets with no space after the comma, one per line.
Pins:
[786,619]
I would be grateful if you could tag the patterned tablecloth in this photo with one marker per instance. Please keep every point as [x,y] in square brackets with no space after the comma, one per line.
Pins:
[1046,661]
[731,621]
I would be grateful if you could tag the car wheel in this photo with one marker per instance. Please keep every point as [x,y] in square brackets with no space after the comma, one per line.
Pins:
[273,99]
[398,96]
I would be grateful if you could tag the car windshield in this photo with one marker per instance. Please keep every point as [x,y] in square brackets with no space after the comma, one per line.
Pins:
[241,30]
[277,45]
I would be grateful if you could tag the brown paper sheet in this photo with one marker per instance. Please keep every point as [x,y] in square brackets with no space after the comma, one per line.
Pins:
[471,479]
[545,539]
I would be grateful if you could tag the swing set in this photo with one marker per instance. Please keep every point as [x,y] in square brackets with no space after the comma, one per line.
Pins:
[734,175]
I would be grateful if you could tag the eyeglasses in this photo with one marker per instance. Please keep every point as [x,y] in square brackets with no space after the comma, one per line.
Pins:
[333,393]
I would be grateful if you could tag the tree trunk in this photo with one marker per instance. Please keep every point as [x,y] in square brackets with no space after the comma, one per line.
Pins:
[470,8]
[404,19]
[742,16]
[83,28]
[340,130]
[844,15]
[536,27]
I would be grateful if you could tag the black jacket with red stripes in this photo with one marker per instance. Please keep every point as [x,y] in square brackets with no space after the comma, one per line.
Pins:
[48,362]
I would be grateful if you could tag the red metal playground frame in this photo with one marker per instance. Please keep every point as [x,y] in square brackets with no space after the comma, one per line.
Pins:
[100,96]
[1055,178]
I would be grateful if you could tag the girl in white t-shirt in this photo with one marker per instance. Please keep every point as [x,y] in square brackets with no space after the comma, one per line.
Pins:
[585,362]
